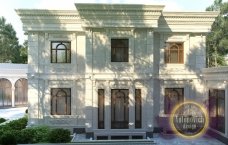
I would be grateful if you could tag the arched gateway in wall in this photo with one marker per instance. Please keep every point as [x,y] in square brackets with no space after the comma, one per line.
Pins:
[21,92]
[5,92]
[13,85]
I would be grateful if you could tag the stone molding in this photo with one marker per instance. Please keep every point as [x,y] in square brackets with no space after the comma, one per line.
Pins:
[186,17]
[45,20]
[116,16]
[221,69]
[215,73]
[186,21]
[119,15]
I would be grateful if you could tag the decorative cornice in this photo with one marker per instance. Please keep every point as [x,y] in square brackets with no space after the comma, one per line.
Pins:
[215,74]
[45,20]
[117,7]
[116,16]
[175,21]
[40,12]
[215,70]
[186,17]
[119,15]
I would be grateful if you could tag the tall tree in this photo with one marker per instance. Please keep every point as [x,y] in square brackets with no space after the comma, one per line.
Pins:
[24,52]
[217,40]
[9,45]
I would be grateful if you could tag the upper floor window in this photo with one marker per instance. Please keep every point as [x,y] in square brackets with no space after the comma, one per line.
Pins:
[60,52]
[174,53]
[119,50]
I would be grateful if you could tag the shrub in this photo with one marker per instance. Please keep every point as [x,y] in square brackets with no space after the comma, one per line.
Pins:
[59,135]
[26,136]
[4,128]
[16,133]
[18,124]
[42,133]
[2,120]
[8,138]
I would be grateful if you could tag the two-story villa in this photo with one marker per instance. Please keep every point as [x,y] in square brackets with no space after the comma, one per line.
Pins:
[113,70]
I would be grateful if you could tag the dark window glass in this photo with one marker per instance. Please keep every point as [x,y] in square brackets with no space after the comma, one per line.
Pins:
[60,101]
[138,108]
[119,50]
[101,99]
[173,96]
[217,109]
[60,52]
[174,53]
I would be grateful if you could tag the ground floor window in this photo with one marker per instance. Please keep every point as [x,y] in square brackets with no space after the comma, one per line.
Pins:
[60,101]
[119,108]
[138,109]
[217,109]
[101,107]
[173,96]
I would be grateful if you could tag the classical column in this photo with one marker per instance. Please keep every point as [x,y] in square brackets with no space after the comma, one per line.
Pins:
[13,95]
[89,82]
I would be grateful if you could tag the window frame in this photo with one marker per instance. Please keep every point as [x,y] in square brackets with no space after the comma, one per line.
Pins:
[67,104]
[167,110]
[101,108]
[115,124]
[169,51]
[216,119]
[138,108]
[67,60]
[114,48]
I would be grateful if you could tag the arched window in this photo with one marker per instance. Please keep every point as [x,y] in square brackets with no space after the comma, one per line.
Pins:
[60,101]
[173,96]
[60,52]
[174,53]
[5,93]
[21,92]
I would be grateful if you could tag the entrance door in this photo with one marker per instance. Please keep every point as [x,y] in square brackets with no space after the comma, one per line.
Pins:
[119,109]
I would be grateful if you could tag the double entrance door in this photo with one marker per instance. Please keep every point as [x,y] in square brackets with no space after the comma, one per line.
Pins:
[119,108]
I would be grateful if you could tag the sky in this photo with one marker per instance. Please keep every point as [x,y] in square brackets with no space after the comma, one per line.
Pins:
[7,7]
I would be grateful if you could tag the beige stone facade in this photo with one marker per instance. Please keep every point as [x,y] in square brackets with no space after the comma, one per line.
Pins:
[92,71]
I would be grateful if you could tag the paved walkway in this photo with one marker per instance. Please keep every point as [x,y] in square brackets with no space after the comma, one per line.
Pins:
[12,113]
[175,140]
[155,141]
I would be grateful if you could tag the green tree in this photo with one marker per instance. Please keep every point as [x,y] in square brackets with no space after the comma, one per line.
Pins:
[10,50]
[24,52]
[217,40]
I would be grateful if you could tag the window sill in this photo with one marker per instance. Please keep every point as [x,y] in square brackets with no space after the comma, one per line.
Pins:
[173,65]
